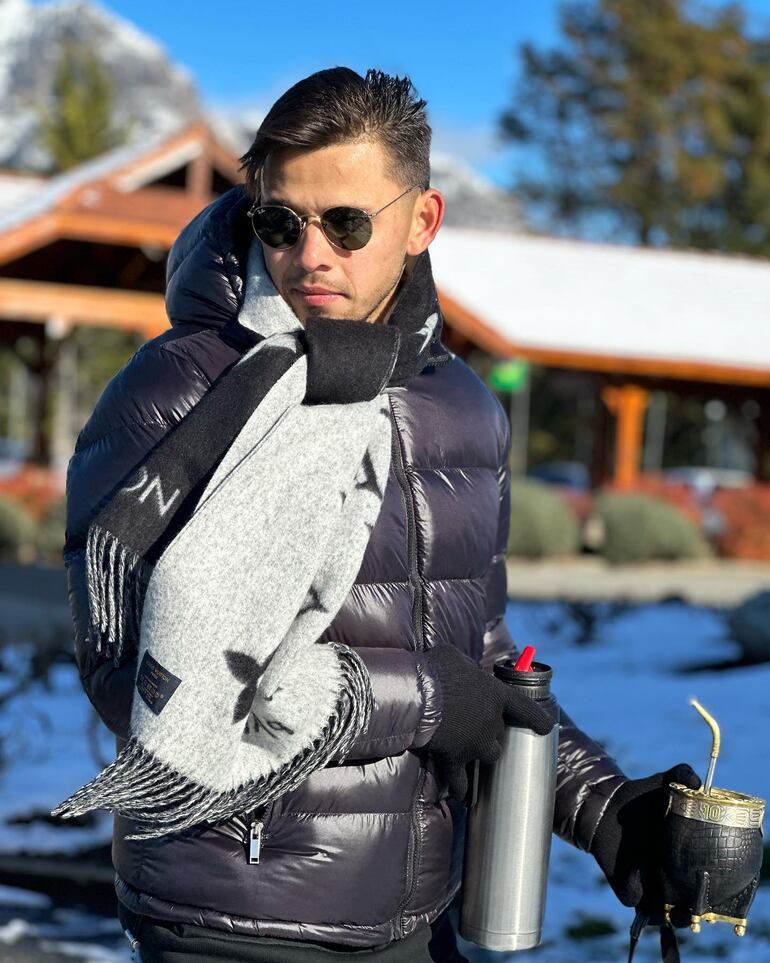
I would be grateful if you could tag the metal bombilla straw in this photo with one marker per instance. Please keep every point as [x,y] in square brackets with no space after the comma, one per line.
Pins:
[715,744]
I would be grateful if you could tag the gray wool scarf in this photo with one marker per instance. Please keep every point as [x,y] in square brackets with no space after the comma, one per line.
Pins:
[235,702]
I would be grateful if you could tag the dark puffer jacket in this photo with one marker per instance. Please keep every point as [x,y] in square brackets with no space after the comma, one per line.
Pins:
[364,850]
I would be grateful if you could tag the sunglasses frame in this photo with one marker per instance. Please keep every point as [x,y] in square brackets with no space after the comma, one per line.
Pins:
[304,219]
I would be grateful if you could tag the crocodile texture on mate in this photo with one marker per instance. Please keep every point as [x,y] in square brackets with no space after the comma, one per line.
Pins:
[708,868]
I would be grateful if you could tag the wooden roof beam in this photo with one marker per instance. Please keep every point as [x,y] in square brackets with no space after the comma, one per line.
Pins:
[81,226]
[29,236]
[71,305]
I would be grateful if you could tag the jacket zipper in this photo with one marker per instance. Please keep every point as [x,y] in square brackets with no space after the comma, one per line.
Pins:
[256,822]
[411,530]
[411,876]
[255,840]
[419,636]
[248,827]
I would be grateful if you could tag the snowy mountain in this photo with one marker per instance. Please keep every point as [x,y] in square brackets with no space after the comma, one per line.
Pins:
[472,201]
[152,95]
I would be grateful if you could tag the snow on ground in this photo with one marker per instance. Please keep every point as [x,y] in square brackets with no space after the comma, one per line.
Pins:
[47,754]
[58,935]
[629,689]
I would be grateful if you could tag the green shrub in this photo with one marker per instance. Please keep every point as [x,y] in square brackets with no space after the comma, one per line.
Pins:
[50,533]
[18,531]
[542,523]
[588,927]
[640,528]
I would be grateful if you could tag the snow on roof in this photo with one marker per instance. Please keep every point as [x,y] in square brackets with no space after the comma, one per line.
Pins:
[566,295]
[15,189]
[54,189]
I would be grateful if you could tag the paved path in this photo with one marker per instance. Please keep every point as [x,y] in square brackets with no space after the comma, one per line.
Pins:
[33,603]
[585,579]
[33,600]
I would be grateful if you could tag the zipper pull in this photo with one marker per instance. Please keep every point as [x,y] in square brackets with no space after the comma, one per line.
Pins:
[255,841]
[133,942]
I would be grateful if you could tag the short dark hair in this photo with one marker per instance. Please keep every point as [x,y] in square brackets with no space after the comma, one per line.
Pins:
[338,106]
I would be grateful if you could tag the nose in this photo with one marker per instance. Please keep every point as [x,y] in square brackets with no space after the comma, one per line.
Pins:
[313,250]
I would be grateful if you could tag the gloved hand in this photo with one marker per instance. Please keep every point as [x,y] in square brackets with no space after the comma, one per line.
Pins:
[475,709]
[628,842]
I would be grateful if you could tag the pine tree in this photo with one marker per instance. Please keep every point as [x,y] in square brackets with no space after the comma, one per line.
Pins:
[78,125]
[652,118]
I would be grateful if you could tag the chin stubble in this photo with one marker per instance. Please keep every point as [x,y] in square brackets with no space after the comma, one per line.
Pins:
[380,298]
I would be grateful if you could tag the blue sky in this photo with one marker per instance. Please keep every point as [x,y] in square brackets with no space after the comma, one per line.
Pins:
[461,56]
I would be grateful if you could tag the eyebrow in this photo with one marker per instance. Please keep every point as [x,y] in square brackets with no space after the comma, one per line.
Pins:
[279,201]
[282,202]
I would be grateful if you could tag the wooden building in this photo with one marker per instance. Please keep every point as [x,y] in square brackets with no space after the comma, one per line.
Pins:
[88,247]
[635,320]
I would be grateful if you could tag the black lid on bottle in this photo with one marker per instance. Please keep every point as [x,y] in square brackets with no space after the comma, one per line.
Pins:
[536,683]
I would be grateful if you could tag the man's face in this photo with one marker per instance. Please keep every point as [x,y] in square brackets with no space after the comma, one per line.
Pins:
[361,284]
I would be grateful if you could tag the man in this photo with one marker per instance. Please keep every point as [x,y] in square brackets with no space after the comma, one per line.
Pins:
[366,854]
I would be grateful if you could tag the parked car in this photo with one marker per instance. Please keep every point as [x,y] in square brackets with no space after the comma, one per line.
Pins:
[567,474]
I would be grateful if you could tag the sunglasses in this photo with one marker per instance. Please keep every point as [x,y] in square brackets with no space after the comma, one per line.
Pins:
[348,228]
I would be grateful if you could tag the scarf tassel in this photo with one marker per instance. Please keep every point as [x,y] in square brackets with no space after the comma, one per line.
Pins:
[117,579]
[161,800]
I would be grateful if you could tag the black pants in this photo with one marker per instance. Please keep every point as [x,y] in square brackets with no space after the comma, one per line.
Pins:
[161,941]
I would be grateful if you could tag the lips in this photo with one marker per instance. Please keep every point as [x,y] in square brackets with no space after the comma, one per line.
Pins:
[314,289]
[313,295]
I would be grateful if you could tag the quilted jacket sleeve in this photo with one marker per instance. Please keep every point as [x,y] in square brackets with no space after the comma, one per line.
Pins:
[587,776]
[407,703]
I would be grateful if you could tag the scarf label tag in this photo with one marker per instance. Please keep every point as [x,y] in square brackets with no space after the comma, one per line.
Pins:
[155,684]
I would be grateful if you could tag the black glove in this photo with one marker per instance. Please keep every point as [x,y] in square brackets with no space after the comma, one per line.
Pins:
[475,709]
[628,842]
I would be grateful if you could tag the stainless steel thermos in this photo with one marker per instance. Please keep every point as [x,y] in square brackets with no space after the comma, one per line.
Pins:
[509,826]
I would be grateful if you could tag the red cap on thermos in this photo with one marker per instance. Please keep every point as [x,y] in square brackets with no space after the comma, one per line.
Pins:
[524,662]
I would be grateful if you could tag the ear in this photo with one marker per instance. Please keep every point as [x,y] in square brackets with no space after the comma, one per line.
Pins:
[427,216]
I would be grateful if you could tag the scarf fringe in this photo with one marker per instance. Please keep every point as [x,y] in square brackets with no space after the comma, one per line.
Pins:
[161,800]
[116,579]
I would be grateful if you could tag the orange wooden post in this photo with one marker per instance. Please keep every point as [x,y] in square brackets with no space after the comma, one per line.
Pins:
[198,180]
[628,403]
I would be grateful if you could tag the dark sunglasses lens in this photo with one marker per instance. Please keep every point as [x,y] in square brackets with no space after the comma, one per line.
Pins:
[347,227]
[276,226]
